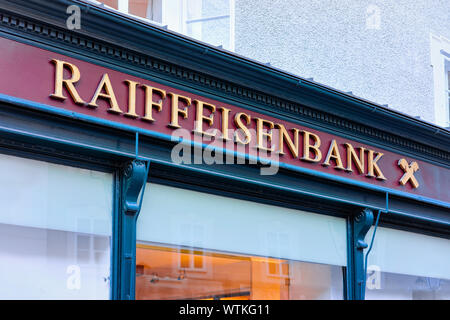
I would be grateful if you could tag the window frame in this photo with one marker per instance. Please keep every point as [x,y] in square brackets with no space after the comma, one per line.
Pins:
[178,22]
[230,15]
[440,61]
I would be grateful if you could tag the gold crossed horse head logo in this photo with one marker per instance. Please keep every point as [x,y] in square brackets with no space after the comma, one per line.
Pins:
[409,170]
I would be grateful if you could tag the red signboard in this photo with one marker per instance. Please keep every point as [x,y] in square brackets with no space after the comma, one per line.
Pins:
[56,80]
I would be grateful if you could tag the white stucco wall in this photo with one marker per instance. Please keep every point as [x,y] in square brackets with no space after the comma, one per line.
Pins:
[341,44]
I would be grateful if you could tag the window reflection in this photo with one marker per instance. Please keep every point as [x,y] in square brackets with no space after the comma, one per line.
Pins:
[402,266]
[164,272]
[39,263]
[394,286]
[55,236]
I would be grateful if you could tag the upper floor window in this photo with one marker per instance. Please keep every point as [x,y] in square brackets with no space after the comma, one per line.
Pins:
[211,21]
[147,9]
[440,60]
[447,64]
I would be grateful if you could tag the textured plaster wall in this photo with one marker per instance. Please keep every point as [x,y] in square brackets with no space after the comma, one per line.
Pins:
[340,44]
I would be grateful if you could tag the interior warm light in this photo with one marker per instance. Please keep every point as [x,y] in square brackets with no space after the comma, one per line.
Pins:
[182,273]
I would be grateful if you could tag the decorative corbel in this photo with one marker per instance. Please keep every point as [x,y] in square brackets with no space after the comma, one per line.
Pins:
[135,176]
[133,179]
[361,225]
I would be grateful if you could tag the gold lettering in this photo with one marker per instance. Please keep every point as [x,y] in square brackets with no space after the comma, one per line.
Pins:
[261,133]
[176,111]
[307,147]
[200,118]
[333,153]
[353,157]
[105,85]
[225,117]
[68,83]
[283,134]
[372,166]
[241,126]
[131,99]
[150,104]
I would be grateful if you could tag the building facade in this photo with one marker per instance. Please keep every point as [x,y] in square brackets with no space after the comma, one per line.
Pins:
[141,163]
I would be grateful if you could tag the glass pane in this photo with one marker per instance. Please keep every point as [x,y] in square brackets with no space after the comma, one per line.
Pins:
[214,24]
[215,32]
[402,266]
[111,3]
[197,9]
[193,245]
[149,9]
[394,286]
[55,231]
[164,272]
[448,79]
[50,196]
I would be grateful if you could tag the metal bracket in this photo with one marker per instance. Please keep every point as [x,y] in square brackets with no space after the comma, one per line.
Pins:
[361,225]
[135,176]
[133,180]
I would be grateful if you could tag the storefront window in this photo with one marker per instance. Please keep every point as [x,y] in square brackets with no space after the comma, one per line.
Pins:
[192,245]
[408,266]
[55,231]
